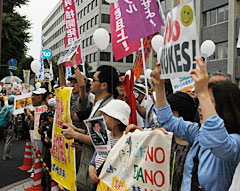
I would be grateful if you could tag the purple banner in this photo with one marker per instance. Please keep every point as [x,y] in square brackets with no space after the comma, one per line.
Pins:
[141,18]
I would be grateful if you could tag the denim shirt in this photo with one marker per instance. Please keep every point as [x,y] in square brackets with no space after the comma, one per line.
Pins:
[219,152]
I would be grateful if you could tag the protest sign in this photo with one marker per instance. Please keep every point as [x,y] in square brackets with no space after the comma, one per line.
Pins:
[139,95]
[71,28]
[120,43]
[21,102]
[97,130]
[139,160]
[40,75]
[37,112]
[63,155]
[182,84]
[141,18]
[69,51]
[26,76]
[138,65]
[181,43]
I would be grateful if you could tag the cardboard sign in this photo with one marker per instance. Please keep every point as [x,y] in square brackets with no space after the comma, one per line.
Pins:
[97,130]
[182,84]
[63,155]
[72,33]
[120,43]
[141,18]
[138,161]
[138,65]
[37,112]
[21,102]
[69,51]
[181,43]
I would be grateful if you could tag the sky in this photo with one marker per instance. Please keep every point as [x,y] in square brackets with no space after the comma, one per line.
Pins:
[36,12]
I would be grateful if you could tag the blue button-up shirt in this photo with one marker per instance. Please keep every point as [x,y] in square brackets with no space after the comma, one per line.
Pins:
[219,152]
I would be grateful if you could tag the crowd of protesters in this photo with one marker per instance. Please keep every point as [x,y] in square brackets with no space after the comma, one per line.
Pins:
[205,124]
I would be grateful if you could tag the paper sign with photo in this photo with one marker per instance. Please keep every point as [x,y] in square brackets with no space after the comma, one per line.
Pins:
[140,95]
[182,84]
[97,130]
[21,102]
[69,51]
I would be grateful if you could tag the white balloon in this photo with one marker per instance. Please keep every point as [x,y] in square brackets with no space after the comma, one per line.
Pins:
[208,47]
[38,85]
[148,73]
[35,66]
[112,1]
[15,84]
[159,54]
[157,42]
[0,88]
[101,38]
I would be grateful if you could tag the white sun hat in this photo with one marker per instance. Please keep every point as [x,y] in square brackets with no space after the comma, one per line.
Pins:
[118,109]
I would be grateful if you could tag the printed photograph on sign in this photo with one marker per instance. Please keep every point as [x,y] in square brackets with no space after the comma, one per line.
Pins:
[181,43]
[21,102]
[139,95]
[97,130]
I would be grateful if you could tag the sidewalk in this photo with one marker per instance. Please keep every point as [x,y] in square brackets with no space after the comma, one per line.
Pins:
[18,186]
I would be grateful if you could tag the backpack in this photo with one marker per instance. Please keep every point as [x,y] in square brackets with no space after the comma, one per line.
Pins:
[4,117]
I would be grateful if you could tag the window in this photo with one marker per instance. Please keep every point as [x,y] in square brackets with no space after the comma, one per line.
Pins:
[105,18]
[92,22]
[92,5]
[96,3]
[216,16]
[90,58]
[129,58]
[96,19]
[81,14]
[87,42]
[86,59]
[95,57]
[91,40]
[84,27]
[221,51]
[121,60]
[105,56]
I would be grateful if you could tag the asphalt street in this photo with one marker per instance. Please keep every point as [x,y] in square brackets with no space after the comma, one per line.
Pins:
[9,172]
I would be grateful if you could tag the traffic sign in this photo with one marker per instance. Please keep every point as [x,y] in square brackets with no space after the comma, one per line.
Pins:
[47,53]
[13,62]
[12,68]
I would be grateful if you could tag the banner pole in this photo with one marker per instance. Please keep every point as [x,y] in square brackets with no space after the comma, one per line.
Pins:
[161,10]
[144,67]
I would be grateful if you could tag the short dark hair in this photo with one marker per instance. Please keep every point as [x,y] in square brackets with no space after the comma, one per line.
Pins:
[44,96]
[183,104]
[226,95]
[109,75]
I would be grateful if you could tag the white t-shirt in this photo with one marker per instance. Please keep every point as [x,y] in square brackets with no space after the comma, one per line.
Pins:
[236,180]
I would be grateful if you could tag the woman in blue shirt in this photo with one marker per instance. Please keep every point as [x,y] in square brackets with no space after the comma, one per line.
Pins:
[216,144]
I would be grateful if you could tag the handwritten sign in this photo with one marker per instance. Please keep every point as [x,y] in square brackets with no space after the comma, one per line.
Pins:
[181,43]
[63,155]
[138,161]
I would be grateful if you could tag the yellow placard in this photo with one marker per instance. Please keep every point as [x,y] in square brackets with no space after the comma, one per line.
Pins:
[63,155]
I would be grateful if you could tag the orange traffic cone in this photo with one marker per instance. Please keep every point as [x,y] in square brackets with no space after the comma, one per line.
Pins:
[54,186]
[38,174]
[27,163]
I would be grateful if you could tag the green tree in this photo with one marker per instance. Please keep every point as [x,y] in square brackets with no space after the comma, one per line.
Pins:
[14,36]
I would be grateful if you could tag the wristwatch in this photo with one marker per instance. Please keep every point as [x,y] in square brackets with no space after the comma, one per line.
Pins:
[75,67]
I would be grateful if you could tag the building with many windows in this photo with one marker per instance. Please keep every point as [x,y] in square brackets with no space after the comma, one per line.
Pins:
[218,20]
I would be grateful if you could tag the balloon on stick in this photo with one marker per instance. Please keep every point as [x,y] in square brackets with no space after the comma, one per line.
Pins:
[157,42]
[207,48]
[38,85]
[101,38]
[148,73]
[35,66]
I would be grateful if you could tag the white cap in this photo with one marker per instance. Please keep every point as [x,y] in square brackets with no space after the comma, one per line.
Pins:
[118,109]
[40,91]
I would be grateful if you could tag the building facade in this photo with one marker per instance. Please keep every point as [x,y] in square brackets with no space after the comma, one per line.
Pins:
[217,20]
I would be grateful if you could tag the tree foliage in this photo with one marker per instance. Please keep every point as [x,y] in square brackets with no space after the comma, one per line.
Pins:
[14,35]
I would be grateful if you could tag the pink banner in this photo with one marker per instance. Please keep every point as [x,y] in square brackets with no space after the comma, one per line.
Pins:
[71,27]
[141,18]
[120,43]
